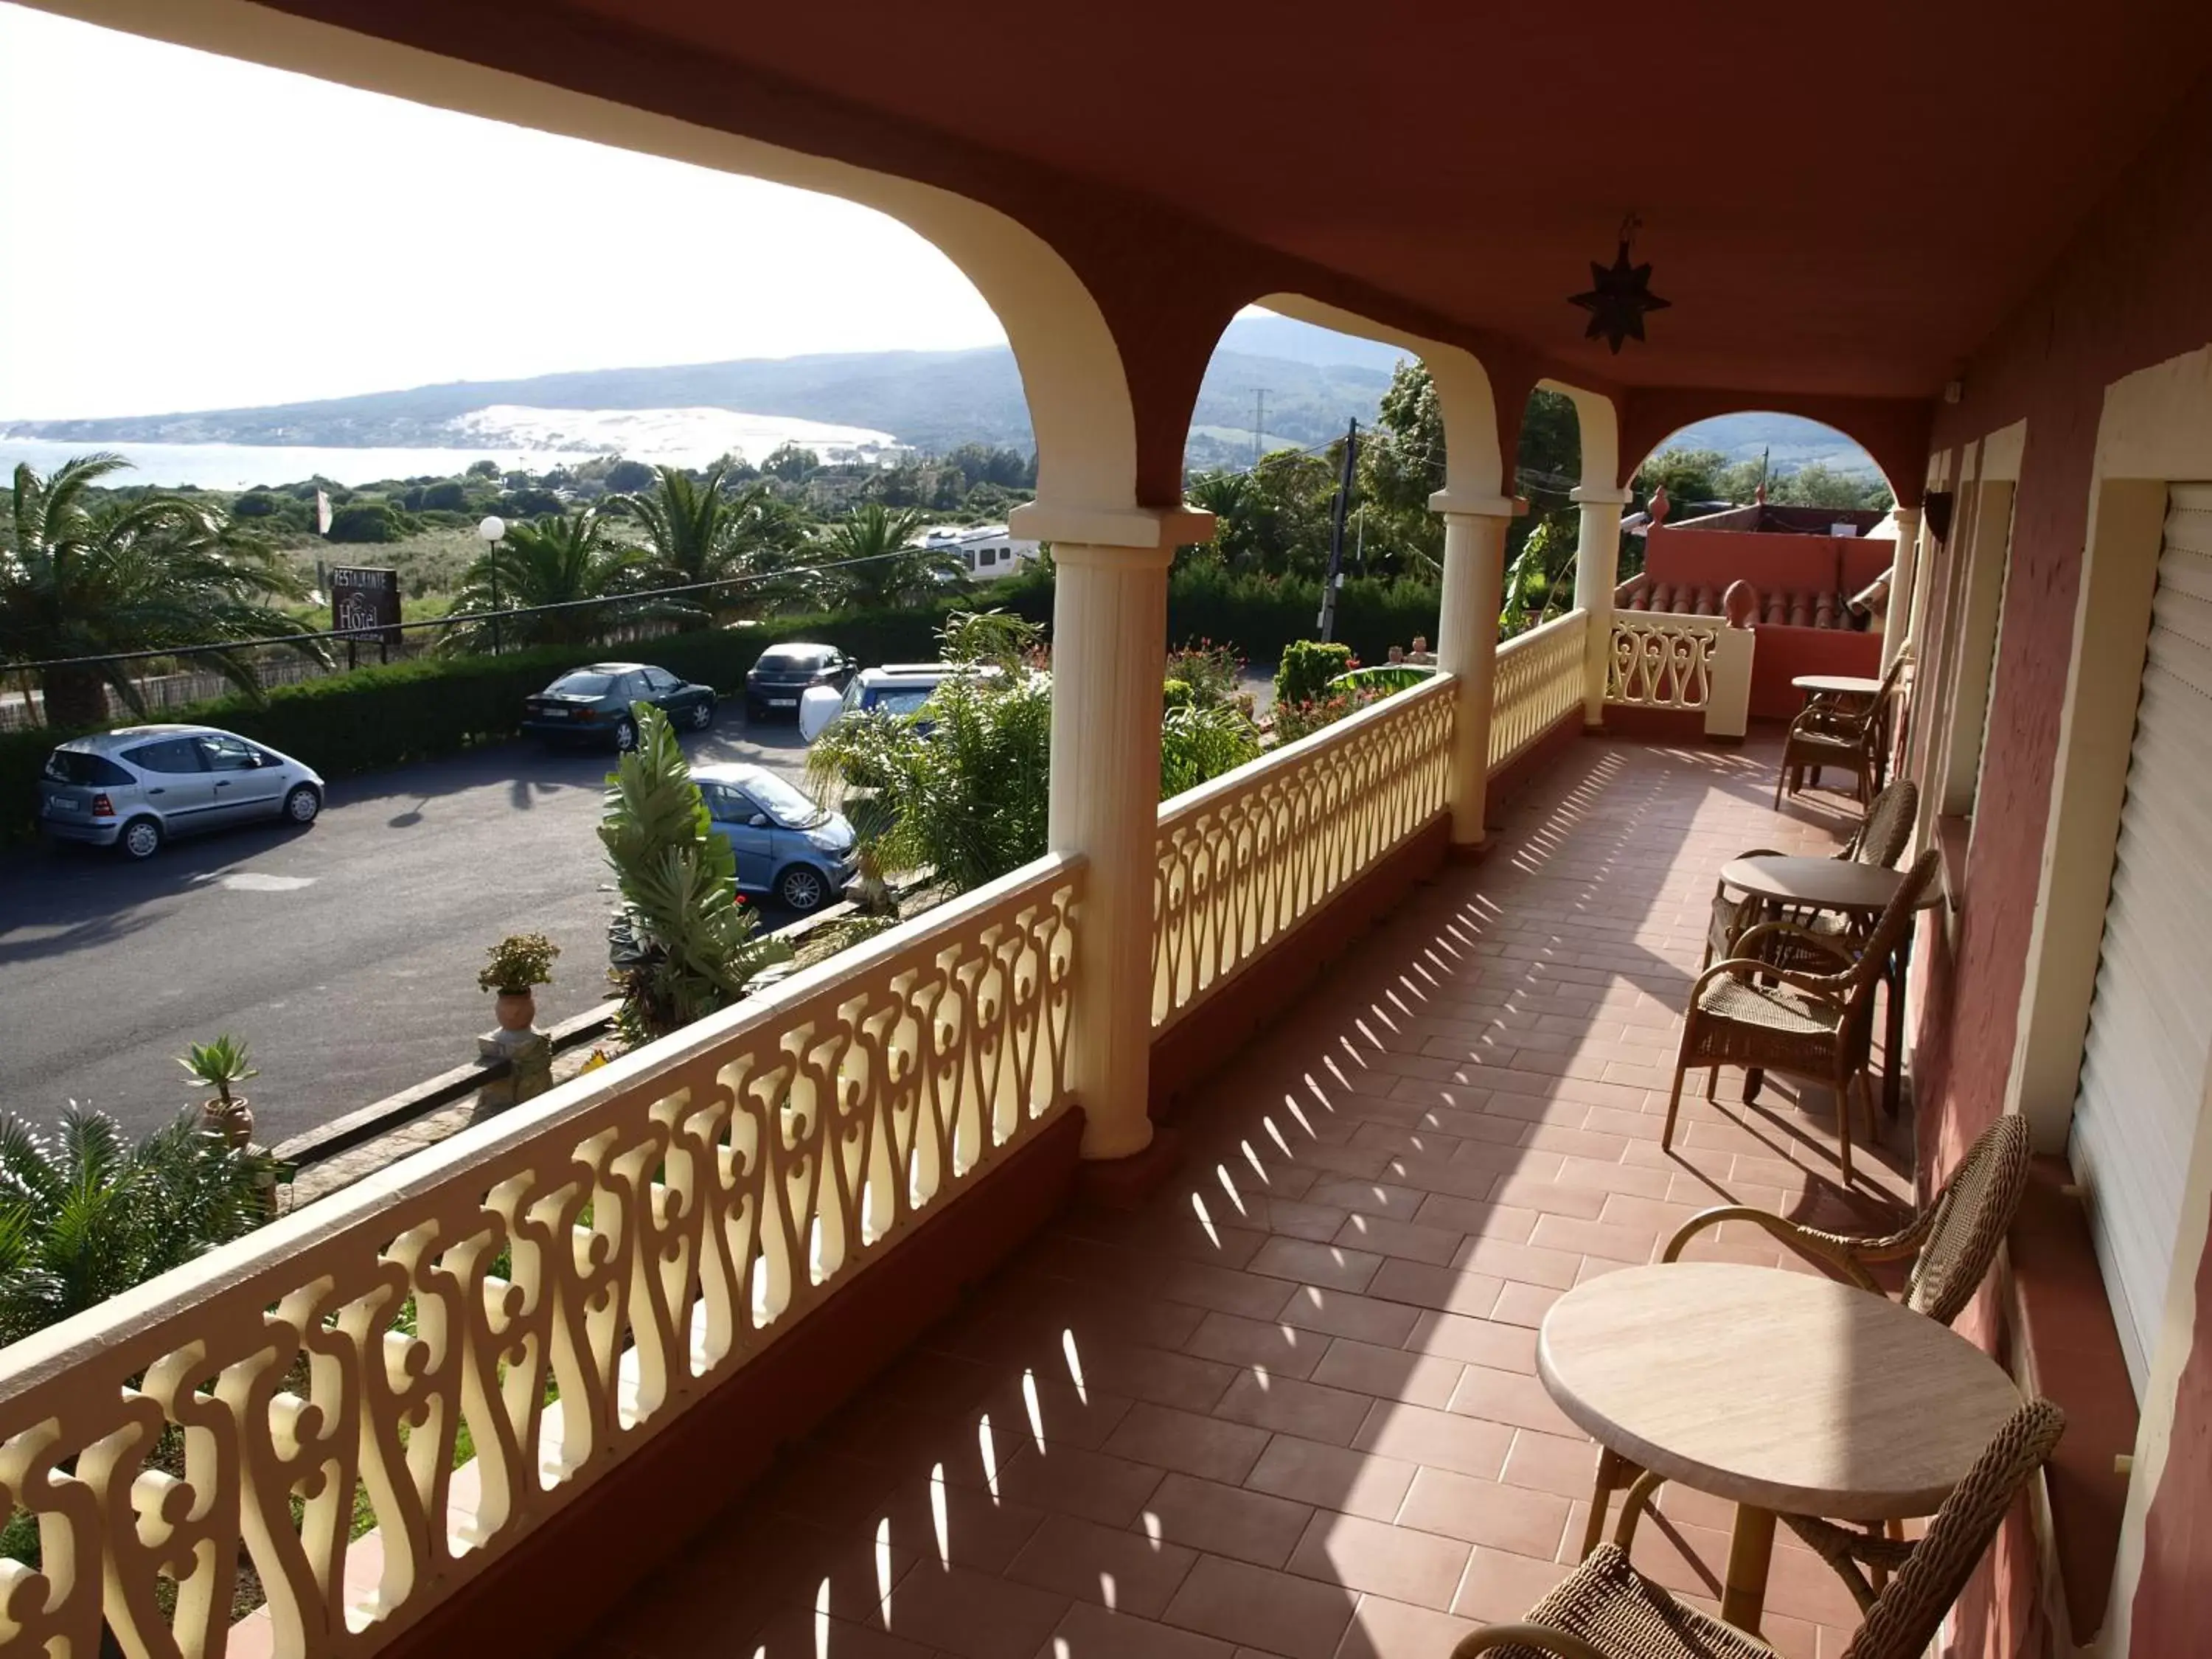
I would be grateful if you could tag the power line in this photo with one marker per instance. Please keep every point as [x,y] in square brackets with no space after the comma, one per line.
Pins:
[453,617]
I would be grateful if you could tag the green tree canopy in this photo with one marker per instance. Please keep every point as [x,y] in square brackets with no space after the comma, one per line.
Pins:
[84,578]
[881,566]
[551,561]
[699,531]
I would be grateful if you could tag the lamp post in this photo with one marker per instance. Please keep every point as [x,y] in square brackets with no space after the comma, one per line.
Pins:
[491,529]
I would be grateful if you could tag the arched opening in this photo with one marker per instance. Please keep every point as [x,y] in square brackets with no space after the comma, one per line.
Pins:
[1070,367]
[1792,516]
[1291,382]
[1785,459]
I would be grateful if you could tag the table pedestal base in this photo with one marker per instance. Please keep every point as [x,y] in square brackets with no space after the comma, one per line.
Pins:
[1751,1549]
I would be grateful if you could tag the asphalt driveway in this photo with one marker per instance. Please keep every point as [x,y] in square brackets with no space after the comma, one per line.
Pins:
[345,954]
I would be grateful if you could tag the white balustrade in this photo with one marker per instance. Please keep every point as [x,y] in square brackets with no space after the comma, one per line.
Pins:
[1247,857]
[1663,660]
[1541,675]
[559,1282]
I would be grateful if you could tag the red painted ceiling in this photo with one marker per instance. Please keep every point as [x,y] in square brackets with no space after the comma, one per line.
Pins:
[1837,199]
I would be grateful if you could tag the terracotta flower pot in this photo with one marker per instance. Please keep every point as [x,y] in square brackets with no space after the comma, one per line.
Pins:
[517,1010]
[233,1122]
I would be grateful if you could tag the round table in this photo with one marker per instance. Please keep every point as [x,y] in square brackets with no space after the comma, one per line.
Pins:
[1784,1392]
[1847,885]
[1835,685]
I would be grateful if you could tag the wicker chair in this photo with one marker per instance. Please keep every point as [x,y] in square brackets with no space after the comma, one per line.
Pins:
[1812,1025]
[1880,839]
[1824,735]
[1606,1610]
[1952,1244]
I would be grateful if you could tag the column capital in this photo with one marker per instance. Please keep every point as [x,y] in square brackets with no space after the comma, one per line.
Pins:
[1455,503]
[1591,495]
[1144,527]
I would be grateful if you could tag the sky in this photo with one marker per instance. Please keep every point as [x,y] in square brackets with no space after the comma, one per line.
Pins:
[189,232]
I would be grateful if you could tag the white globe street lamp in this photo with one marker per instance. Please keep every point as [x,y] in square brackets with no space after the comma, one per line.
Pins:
[492,528]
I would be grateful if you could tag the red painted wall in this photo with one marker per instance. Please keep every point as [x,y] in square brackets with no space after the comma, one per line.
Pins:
[2129,291]
[1715,558]
[1784,653]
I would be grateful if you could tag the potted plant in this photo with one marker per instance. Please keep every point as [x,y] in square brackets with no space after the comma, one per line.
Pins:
[519,962]
[217,1066]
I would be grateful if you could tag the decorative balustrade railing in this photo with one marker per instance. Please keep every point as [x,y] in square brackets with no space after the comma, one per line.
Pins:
[1661,659]
[1245,858]
[558,1283]
[1539,680]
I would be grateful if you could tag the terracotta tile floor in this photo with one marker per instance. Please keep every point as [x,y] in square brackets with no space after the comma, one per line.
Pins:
[1290,1408]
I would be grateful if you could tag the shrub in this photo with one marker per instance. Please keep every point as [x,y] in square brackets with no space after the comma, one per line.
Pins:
[365,522]
[517,963]
[1212,672]
[1197,744]
[1307,666]
[86,1213]
[1303,718]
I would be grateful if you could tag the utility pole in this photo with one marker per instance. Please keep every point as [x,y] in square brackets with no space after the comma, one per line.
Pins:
[1326,621]
[1259,423]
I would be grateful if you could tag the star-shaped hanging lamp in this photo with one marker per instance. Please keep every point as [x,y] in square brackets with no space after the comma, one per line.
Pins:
[1619,297]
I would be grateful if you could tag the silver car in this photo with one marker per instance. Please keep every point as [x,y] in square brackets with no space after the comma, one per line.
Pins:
[137,788]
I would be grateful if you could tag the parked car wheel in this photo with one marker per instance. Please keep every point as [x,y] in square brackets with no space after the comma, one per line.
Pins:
[803,888]
[625,734]
[702,717]
[304,803]
[141,838]
[756,713]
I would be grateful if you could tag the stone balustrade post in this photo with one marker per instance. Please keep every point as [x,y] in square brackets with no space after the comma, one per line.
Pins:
[1467,644]
[1597,573]
[1109,658]
[1904,574]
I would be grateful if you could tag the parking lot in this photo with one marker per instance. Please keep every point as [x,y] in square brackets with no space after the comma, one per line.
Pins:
[345,954]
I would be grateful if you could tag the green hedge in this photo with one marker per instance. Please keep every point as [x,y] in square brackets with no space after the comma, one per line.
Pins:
[384,716]
[1261,614]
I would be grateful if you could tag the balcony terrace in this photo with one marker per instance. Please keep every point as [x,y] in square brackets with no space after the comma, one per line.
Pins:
[1289,1407]
[1141,1255]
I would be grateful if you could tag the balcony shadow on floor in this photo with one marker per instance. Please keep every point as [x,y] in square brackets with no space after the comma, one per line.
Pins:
[1290,1407]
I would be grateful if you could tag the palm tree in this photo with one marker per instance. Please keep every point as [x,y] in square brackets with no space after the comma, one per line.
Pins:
[86,1214]
[80,578]
[699,531]
[562,560]
[880,569]
[681,945]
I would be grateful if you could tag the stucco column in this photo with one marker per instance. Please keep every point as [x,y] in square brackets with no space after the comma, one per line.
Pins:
[1109,656]
[1597,573]
[1904,574]
[1467,643]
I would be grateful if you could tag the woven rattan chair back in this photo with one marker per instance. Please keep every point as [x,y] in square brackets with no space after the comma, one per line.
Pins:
[1888,825]
[1969,1220]
[1861,980]
[1904,1619]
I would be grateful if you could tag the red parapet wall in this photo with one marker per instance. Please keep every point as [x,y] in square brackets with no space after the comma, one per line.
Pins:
[1784,652]
[1682,556]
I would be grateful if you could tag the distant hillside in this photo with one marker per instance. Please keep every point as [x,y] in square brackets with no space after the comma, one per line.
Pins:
[1313,380]
[1794,441]
[933,401]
